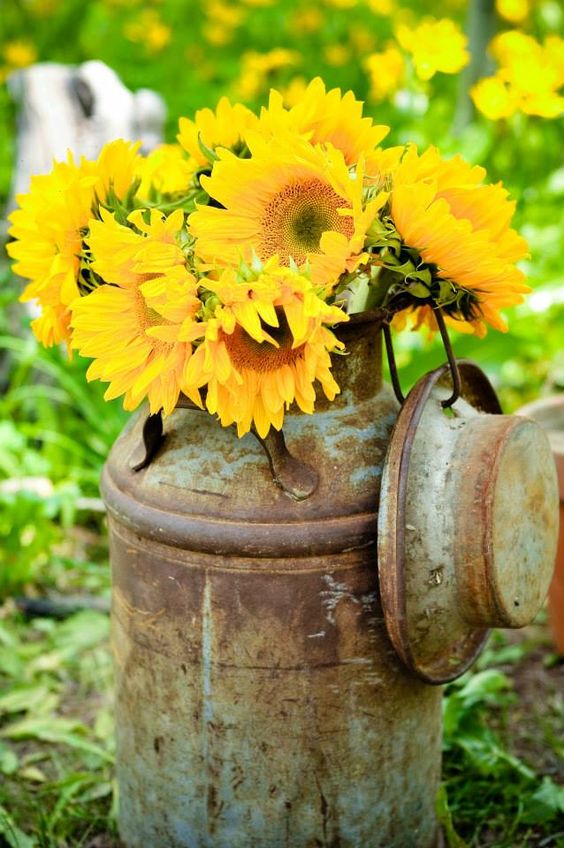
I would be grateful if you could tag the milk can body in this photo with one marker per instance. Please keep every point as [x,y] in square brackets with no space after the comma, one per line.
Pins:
[259,701]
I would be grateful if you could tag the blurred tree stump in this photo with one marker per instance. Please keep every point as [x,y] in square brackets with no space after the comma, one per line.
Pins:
[77,108]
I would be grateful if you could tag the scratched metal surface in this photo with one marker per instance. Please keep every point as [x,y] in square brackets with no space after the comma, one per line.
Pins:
[260,703]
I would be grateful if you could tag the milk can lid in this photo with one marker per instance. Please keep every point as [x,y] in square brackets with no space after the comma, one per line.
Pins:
[467,525]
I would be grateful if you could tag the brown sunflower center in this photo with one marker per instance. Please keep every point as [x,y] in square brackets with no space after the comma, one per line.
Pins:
[246,352]
[296,218]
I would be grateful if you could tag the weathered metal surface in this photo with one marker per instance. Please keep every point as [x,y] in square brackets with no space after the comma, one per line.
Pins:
[467,528]
[549,413]
[260,703]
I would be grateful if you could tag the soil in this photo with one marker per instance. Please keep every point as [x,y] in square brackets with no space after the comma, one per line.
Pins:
[536,723]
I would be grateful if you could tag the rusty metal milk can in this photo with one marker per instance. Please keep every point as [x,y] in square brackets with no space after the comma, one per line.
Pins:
[269,693]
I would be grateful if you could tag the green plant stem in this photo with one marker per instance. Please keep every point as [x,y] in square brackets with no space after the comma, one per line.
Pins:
[377,291]
[480,28]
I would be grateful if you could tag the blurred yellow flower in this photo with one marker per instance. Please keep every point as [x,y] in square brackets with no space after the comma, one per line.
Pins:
[529,79]
[381,7]
[217,34]
[294,91]
[157,36]
[258,68]
[222,21]
[515,11]
[361,38]
[306,19]
[494,98]
[342,4]
[512,46]
[336,55]
[386,71]
[148,29]
[435,46]
[42,8]
[224,13]
[19,54]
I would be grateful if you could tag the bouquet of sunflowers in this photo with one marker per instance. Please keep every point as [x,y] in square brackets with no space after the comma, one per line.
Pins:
[216,268]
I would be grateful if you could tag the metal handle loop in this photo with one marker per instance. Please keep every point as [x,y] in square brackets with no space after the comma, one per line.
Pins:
[451,359]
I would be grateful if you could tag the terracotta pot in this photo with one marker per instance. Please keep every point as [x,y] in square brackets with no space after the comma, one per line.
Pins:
[549,412]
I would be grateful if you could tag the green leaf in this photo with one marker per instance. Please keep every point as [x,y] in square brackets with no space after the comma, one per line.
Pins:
[25,699]
[210,154]
[9,761]
[444,817]
[14,837]
[419,290]
[545,804]
[55,730]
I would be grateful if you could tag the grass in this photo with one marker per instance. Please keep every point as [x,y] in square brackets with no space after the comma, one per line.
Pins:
[503,754]
[56,726]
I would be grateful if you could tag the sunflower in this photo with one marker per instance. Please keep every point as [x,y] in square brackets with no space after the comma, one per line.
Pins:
[166,170]
[266,343]
[49,228]
[323,117]
[132,327]
[459,229]
[301,203]
[226,127]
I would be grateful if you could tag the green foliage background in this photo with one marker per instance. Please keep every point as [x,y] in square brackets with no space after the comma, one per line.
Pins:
[57,428]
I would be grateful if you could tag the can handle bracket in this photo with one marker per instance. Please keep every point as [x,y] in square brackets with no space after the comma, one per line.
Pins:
[451,360]
[152,439]
[295,477]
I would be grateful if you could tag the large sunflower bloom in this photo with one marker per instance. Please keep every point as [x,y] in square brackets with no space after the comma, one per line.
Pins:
[132,327]
[323,117]
[266,344]
[460,229]
[49,227]
[302,204]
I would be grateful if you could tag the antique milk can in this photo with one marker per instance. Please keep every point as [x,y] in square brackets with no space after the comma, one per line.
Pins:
[280,610]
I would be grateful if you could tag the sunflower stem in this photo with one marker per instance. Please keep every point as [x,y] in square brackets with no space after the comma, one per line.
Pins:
[377,291]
